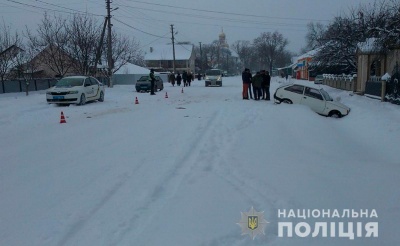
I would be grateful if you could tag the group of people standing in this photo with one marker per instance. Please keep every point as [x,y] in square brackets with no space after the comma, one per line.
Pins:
[186,78]
[260,83]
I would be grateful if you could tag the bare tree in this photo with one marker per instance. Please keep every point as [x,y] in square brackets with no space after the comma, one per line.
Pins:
[211,53]
[245,51]
[284,58]
[314,36]
[52,39]
[9,48]
[83,37]
[337,45]
[338,53]
[268,46]
[125,50]
[382,21]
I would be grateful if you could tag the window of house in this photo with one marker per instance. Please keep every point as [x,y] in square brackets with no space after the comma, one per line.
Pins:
[376,68]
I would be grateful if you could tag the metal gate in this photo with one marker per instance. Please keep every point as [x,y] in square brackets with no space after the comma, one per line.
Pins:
[393,87]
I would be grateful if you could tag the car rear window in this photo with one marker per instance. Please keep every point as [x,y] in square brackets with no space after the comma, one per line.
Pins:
[295,88]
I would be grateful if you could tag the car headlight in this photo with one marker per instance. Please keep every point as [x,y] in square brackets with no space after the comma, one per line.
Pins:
[207,78]
[73,92]
[219,78]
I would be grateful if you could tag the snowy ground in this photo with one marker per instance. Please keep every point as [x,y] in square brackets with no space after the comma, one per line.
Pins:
[179,171]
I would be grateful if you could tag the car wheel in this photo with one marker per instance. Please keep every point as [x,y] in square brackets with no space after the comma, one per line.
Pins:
[83,99]
[287,101]
[101,98]
[335,114]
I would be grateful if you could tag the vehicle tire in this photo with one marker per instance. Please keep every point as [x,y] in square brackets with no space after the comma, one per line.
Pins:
[101,98]
[287,101]
[83,99]
[335,114]
[162,87]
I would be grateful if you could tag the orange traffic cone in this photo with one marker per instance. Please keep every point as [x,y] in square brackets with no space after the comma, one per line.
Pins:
[62,120]
[136,101]
[166,95]
[182,90]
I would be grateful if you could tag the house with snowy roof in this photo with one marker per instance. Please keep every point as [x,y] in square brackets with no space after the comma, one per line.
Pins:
[373,63]
[161,57]
[302,67]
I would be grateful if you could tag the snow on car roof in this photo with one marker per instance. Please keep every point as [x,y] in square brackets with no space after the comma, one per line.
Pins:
[306,83]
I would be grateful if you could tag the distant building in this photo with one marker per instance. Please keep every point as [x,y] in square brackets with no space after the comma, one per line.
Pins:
[222,40]
[301,69]
[228,59]
[160,58]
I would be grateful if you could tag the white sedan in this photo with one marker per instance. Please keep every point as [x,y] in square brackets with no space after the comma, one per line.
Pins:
[76,89]
[315,98]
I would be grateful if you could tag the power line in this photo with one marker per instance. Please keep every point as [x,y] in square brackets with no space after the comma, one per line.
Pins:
[153,41]
[226,13]
[216,18]
[55,5]
[137,29]
[44,8]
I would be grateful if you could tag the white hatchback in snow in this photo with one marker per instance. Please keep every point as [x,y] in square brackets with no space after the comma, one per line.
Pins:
[315,98]
[75,89]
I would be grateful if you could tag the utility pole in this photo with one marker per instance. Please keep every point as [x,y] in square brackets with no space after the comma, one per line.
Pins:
[173,48]
[201,58]
[109,49]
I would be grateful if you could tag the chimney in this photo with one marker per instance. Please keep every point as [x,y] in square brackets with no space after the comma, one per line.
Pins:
[151,49]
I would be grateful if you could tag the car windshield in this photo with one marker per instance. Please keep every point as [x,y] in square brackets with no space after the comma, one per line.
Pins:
[319,76]
[144,78]
[147,78]
[326,95]
[213,72]
[69,82]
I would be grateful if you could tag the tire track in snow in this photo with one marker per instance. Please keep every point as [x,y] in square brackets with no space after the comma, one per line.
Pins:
[166,187]
[83,218]
[214,157]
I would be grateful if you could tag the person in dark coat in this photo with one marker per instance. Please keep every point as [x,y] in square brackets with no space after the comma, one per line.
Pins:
[250,85]
[152,81]
[246,79]
[178,79]
[257,81]
[265,85]
[172,79]
[185,78]
[190,78]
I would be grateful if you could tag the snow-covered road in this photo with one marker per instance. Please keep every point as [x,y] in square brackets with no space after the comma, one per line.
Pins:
[180,170]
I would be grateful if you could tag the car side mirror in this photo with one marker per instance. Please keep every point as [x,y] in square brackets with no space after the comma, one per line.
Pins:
[86,85]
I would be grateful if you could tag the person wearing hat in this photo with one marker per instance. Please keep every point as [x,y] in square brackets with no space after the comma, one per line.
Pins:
[246,79]
[152,81]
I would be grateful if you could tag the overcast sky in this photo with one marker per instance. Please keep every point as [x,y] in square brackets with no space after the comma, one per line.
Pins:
[195,20]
